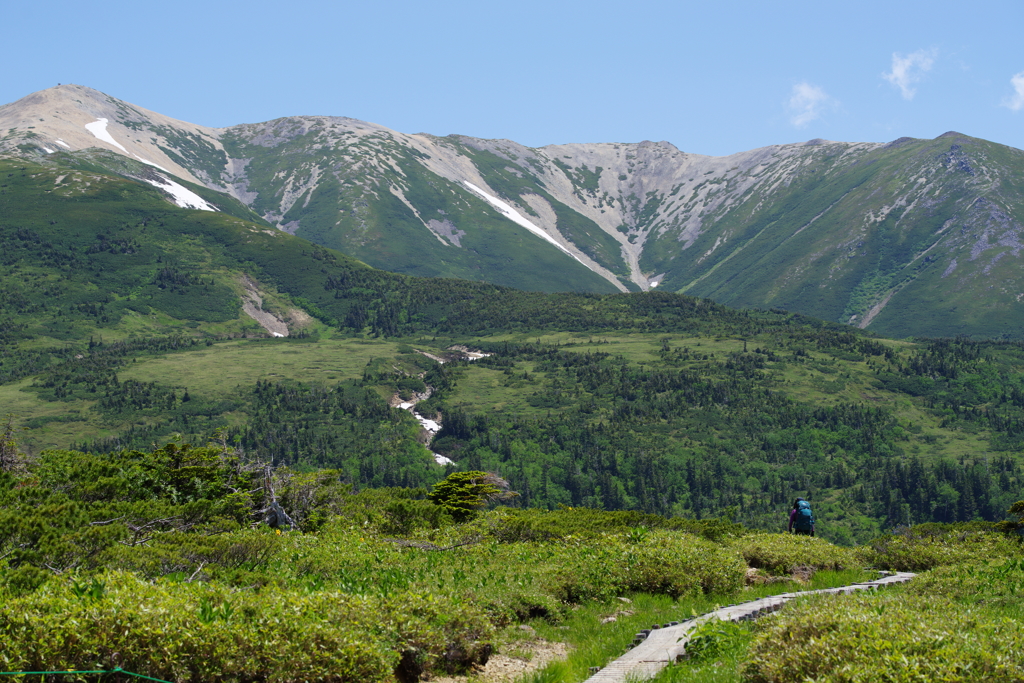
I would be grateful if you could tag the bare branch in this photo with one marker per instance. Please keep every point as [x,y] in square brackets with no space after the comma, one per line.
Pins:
[13,550]
[275,514]
[107,521]
[196,572]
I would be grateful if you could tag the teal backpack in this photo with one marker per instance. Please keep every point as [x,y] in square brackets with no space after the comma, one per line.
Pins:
[804,517]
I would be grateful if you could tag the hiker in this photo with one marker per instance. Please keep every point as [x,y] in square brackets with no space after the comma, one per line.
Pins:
[801,519]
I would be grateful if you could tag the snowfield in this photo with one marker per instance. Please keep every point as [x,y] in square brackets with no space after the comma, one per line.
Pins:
[147,161]
[182,196]
[516,217]
[99,129]
[431,426]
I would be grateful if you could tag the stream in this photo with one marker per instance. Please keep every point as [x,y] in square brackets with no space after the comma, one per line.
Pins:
[432,427]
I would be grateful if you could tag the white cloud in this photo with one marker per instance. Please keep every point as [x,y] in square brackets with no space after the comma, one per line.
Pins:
[1016,101]
[806,103]
[907,70]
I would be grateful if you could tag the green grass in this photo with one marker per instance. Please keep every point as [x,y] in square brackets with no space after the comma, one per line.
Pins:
[211,372]
[487,390]
[218,370]
[596,644]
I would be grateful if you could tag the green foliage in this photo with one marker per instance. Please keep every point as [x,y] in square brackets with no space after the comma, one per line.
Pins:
[670,564]
[11,457]
[1013,526]
[195,632]
[995,583]
[926,547]
[461,494]
[714,638]
[511,525]
[781,553]
[161,557]
[71,510]
[886,637]
[958,622]
[90,592]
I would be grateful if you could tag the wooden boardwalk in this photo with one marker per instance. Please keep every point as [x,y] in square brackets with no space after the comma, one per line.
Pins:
[656,649]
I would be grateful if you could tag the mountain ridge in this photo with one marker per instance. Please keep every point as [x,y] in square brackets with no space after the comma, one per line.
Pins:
[860,233]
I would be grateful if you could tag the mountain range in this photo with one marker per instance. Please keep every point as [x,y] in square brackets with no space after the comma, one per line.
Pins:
[909,237]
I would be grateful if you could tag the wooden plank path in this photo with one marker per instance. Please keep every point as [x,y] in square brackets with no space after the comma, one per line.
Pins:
[655,649]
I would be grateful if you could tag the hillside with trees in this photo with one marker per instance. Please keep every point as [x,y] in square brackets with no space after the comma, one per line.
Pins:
[127,322]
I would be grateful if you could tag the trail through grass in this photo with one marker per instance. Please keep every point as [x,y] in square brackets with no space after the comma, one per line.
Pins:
[595,643]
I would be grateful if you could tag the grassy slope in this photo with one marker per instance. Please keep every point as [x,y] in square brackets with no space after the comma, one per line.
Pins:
[375,226]
[810,248]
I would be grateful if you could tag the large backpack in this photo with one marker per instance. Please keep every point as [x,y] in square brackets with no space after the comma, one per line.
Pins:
[804,517]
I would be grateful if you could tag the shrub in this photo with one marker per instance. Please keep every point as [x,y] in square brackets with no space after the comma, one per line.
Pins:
[884,637]
[510,525]
[672,564]
[1000,583]
[461,494]
[162,631]
[780,553]
[713,638]
[195,632]
[910,551]
[437,634]
[1013,527]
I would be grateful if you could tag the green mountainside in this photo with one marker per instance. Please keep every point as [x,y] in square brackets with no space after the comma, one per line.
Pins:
[913,237]
[126,321]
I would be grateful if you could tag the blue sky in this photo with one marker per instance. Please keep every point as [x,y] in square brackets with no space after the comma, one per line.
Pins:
[711,78]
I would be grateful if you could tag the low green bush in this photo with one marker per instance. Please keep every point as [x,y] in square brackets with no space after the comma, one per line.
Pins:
[511,525]
[197,632]
[189,632]
[780,553]
[999,583]
[673,564]
[914,552]
[888,637]
[714,638]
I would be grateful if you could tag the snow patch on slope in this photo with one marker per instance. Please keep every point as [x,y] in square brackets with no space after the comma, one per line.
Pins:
[99,129]
[517,218]
[182,196]
[147,161]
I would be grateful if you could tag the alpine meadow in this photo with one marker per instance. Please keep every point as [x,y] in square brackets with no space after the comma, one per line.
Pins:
[315,400]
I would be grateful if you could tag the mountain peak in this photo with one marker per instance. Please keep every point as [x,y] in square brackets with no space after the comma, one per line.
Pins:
[70,117]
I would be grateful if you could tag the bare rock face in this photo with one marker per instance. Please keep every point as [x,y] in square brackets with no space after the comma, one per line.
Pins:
[851,232]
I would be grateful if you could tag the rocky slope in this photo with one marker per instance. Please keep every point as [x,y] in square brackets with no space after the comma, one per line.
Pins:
[909,237]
